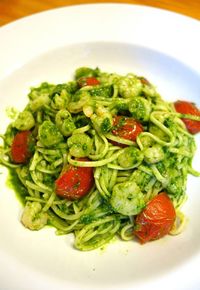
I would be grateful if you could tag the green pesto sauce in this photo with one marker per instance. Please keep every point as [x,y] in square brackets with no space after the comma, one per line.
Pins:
[15,184]
[11,113]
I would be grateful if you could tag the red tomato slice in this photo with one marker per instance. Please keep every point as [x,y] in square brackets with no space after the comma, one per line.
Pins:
[156,220]
[89,81]
[144,81]
[75,182]
[127,128]
[21,147]
[184,107]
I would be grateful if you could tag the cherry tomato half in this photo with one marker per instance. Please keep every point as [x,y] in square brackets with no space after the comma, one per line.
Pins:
[21,148]
[75,182]
[156,220]
[184,107]
[126,127]
[88,81]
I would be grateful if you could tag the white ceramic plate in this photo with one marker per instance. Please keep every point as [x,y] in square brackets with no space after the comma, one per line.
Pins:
[160,45]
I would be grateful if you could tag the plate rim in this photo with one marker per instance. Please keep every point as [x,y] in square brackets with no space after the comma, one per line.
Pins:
[35,15]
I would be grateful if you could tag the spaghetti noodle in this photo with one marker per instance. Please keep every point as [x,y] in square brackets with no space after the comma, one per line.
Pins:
[72,124]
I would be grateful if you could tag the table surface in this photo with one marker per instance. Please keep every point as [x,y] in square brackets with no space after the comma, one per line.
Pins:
[11,10]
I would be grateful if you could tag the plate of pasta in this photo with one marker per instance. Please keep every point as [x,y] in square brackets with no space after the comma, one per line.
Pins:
[99,154]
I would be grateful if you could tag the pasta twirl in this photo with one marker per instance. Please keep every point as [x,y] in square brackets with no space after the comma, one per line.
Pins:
[119,126]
